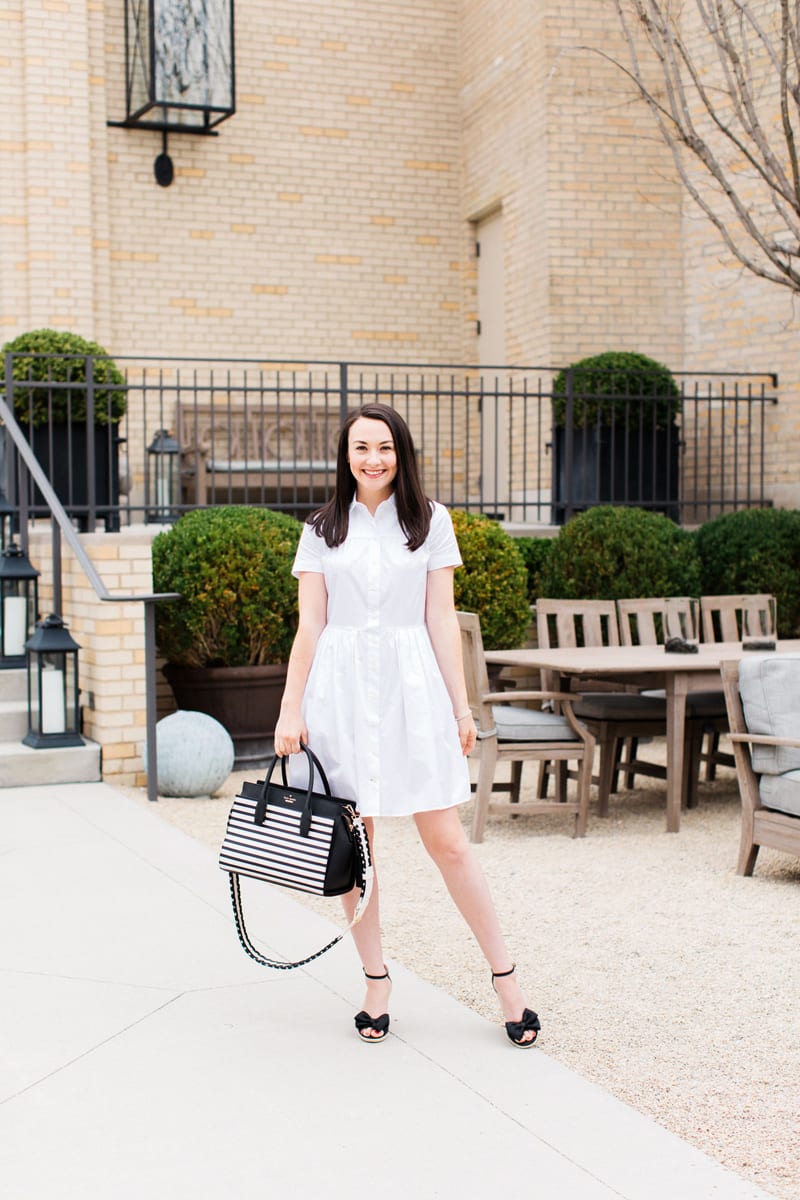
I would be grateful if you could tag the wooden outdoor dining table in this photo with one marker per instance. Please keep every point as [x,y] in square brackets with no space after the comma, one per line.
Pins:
[645,666]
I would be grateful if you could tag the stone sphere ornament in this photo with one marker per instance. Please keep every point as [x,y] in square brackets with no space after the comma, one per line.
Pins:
[195,754]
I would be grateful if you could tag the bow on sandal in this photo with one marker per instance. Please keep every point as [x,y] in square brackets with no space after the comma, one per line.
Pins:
[516,1030]
[380,1024]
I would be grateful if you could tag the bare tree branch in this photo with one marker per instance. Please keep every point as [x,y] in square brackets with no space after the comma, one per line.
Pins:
[722,80]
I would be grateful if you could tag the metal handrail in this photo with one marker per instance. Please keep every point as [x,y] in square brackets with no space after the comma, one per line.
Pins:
[63,525]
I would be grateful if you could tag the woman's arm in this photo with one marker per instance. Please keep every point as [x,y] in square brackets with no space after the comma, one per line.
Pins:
[445,635]
[312,599]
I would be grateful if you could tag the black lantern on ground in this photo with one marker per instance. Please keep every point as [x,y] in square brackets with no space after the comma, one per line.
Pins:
[179,69]
[53,695]
[19,603]
[162,478]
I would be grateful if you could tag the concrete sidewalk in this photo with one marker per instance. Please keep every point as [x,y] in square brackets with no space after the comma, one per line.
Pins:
[145,1055]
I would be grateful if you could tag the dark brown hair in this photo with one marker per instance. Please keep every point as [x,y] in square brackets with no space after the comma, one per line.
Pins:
[332,521]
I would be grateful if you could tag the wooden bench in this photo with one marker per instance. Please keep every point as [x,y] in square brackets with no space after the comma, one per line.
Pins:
[233,452]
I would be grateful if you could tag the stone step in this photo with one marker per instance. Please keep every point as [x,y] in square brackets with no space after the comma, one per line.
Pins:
[21,766]
[14,685]
[13,720]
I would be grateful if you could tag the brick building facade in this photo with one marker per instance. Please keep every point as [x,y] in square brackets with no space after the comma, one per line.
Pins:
[336,214]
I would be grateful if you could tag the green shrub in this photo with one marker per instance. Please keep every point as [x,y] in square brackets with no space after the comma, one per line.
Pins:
[754,550]
[38,405]
[638,389]
[238,603]
[535,553]
[493,580]
[611,553]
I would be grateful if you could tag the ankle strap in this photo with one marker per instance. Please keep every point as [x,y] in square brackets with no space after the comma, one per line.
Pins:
[503,974]
[385,974]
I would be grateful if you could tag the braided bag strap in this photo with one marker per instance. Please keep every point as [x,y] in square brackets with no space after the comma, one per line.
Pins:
[362,847]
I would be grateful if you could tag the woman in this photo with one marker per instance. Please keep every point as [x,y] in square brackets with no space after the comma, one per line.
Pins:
[375,684]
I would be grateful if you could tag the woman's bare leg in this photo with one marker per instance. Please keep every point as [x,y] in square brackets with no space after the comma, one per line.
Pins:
[444,838]
[367,937]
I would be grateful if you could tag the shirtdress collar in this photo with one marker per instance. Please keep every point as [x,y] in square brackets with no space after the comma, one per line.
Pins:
[386,510]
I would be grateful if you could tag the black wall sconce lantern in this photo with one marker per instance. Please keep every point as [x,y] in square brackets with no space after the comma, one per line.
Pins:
[162,478]
[179,69]
[53,695]
[19,603]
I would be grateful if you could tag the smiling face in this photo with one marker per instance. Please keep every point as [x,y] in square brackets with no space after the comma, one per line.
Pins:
[373,460]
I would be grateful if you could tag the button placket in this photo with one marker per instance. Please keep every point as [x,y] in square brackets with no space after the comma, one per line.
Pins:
[373,691]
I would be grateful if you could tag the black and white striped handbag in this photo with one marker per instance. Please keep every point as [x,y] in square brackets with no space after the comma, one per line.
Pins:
[297,838]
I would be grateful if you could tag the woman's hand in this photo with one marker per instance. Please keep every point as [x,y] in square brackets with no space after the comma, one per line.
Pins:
[289,732]
[467,733]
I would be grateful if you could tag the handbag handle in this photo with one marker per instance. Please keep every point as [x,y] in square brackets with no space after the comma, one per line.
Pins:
[314,764]
[362,845]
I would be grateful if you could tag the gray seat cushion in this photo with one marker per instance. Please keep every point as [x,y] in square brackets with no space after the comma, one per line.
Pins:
[698,704]
[620,706]
[781,792]
[769,685]
[517,724]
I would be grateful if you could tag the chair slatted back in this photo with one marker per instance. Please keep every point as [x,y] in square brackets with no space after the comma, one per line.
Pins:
[568,623]
[476,675]
[723,616]
[649,621]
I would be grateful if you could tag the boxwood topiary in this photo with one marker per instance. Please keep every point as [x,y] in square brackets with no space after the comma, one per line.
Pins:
[493,580]
[609,553]
[535,552]
[37,405]
[634,388]
[238,605]
[754,550]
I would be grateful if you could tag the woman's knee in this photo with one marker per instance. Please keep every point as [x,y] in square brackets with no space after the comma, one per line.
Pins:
[444,839]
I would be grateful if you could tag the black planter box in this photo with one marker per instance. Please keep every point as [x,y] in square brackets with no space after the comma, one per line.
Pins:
[63,453]
[635,467]
[245,700]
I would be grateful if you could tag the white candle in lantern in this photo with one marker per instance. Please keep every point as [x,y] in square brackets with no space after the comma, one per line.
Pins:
[53,709]
[162,492]
[15,620]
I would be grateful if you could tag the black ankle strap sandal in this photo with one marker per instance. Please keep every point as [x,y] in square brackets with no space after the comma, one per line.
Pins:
[380,1025]
[516,1030]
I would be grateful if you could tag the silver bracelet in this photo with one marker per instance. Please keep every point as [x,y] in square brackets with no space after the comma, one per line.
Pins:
[463,716]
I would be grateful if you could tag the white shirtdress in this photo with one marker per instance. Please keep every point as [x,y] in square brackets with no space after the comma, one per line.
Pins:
[379,716]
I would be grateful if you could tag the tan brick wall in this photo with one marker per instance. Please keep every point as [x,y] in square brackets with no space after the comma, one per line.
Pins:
[111,637]
[322,221]
[739,322]
[334,214]
[591,208]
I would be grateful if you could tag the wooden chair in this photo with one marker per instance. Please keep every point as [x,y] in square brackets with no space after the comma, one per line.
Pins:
[723,619]
[723,616]
[515,734]
[650,621]
[777,827]
[610,715]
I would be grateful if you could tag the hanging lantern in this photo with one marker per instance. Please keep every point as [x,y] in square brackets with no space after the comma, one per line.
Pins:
[162,478]
[19,602]
[179,69]
[53,694]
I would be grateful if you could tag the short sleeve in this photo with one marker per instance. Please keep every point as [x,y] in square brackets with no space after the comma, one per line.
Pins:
[441,541]
[309,552]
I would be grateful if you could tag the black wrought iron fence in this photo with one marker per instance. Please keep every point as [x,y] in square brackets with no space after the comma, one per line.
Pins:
[178,434]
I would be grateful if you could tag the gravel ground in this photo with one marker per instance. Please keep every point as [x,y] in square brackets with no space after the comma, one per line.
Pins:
[658,973]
